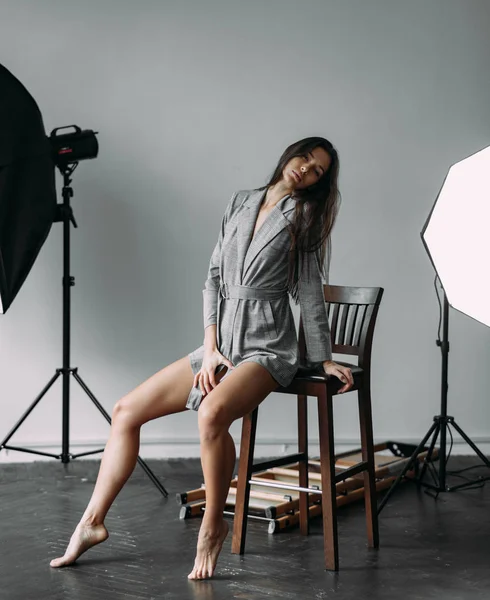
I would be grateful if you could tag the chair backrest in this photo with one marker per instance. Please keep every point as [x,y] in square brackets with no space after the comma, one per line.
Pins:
[352,313]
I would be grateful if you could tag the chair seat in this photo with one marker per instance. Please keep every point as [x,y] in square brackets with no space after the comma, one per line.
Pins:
[305,372]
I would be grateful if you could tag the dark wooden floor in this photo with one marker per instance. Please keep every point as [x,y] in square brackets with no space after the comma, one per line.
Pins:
[429,549]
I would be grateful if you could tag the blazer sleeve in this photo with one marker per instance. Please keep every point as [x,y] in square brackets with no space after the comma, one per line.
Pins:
[212,283]
[313,312]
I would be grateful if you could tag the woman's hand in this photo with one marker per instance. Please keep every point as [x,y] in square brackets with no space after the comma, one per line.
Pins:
[343,373]
[207,378]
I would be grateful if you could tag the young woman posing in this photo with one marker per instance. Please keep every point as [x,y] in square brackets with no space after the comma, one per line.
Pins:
[266,250]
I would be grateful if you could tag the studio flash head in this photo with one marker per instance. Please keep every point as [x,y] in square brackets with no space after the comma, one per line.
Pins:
[69,148]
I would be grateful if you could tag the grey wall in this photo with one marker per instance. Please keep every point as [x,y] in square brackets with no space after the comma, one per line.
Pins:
[194,100]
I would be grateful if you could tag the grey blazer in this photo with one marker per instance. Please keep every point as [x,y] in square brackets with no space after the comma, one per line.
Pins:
[245,294]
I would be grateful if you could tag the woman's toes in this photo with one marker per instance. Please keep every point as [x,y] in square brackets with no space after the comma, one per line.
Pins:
[61,561]
[56,562]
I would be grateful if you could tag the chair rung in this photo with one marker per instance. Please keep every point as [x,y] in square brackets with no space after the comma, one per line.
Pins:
[351,471]
[279,462]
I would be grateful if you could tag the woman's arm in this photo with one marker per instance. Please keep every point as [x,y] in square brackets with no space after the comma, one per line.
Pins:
[316,325]
[210,337]
[212,283]
[313,311]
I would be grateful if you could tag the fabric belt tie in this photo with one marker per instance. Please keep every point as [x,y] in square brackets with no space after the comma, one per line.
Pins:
[246,292]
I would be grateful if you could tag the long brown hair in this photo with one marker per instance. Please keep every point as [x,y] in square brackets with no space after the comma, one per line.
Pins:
[316,210]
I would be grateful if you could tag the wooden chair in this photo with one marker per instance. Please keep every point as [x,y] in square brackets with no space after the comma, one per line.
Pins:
[352,313]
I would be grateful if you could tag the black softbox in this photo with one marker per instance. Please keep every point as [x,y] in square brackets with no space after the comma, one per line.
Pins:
[27,186]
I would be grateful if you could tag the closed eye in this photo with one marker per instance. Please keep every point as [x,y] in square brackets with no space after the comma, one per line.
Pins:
[319,172]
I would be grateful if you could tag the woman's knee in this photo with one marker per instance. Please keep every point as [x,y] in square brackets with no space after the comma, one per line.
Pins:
[124,415]
[212,420]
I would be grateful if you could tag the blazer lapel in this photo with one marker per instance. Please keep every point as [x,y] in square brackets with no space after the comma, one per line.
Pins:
[246,221]
[273,224]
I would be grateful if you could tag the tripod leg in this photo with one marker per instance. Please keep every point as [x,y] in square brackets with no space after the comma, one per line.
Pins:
[104,413]
[407,466]
[470,443]
[29,410]
[430,452]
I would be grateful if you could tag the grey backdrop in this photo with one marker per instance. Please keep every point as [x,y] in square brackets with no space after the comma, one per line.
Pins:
[194,100]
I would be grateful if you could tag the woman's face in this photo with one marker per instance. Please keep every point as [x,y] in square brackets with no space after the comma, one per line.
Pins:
[302,171]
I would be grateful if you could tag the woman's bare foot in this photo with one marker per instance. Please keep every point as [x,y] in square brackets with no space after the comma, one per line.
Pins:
[209,545]
[84,537]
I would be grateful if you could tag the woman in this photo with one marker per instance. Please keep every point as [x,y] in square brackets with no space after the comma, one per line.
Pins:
[266,250]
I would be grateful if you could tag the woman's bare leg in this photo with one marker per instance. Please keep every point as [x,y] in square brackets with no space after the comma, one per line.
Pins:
[162,394]
[240,393]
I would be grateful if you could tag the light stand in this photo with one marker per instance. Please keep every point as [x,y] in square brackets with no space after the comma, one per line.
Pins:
[441,424]
[65,214]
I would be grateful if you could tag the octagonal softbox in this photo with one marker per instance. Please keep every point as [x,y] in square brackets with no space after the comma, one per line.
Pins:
[27,186]
[457,236]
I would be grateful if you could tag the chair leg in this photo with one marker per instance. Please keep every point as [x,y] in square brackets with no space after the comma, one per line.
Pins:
[249,427]
[303,466]
[329,490]
[370,499]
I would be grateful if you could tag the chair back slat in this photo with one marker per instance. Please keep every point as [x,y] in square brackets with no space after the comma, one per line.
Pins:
[342,330]
[335,318]
[351,313]
[352,339]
